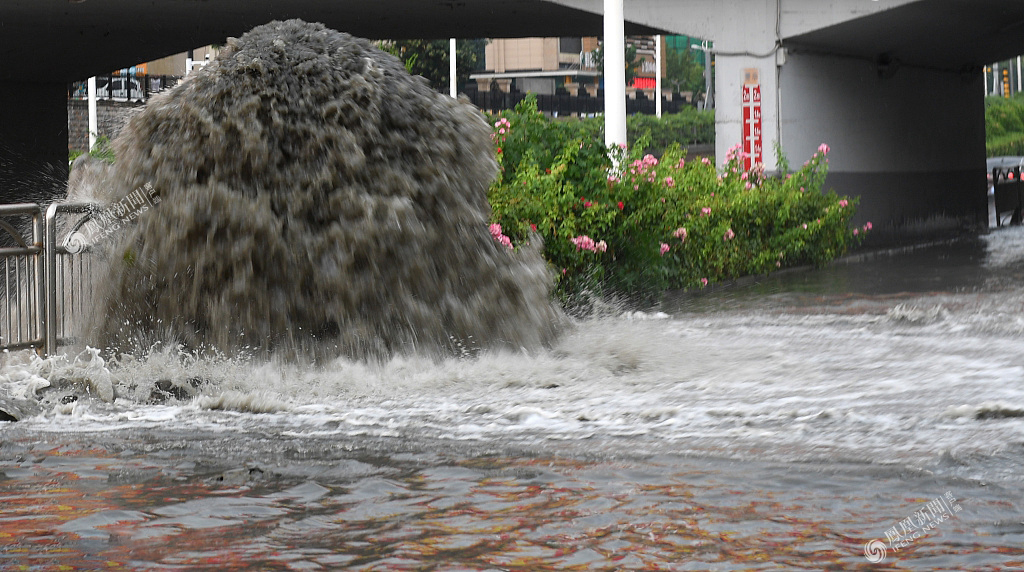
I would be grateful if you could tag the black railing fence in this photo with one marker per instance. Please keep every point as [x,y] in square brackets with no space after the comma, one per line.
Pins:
[123,87]
[566,104]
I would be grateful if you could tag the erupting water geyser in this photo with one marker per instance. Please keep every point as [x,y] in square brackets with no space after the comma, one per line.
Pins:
[316,198]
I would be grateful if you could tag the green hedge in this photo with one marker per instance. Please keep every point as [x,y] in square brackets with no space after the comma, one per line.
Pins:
[652,224]
[1010,144]
[686,128]
[1004,126]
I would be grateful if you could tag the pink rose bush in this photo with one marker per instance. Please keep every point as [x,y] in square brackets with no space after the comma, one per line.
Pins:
[668,221]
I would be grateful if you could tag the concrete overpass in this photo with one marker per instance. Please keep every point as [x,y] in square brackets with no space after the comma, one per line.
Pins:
[894,86]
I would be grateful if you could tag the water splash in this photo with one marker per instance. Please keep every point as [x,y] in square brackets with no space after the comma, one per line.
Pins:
[317,200]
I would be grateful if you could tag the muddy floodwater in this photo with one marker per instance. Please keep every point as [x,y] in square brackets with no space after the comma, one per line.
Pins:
[869,415]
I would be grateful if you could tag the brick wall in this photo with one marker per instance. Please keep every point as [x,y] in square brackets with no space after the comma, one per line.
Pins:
[111,116]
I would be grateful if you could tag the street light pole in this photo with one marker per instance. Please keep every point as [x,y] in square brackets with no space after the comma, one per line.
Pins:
[93,123]
[709,85]
[452,83]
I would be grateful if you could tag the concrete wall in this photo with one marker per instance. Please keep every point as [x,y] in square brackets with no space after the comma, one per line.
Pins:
[912,145]
[111,117]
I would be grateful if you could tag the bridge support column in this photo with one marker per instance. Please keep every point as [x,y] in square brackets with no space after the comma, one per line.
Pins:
[33,141]
[746,56]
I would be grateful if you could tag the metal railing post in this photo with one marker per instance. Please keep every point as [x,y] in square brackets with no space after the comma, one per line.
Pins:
[39,284]
[50,343]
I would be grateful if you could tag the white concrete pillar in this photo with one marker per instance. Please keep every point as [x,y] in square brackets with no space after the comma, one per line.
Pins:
[614,74]
[453,88]
[93,122]
[657,75]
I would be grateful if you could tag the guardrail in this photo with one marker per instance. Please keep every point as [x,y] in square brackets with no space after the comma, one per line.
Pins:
[73,282]
[1009,193]
[22,319]
[47,279]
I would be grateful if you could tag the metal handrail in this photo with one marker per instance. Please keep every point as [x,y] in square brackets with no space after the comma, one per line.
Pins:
[38,284]
[52,250]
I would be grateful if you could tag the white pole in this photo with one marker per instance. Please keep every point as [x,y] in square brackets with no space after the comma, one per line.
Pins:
[657,75]
[1018,76]
[93,127]
[188,63]
[452,82]
[996,82]
[614,74]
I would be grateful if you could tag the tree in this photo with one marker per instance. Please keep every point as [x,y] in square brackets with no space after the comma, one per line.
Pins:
[632,62]
[683,72]
[429,58]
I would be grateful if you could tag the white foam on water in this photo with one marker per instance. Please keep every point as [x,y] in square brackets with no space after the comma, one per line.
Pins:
[786,385]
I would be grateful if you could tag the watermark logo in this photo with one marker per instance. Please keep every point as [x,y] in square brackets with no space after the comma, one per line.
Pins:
[874,550]
[913,527]
[110,220]
[75,242]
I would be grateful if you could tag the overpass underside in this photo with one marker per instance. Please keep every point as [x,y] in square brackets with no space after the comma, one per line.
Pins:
[899,94]
[893,86]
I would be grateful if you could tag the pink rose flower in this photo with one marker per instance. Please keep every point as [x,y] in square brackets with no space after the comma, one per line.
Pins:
[584,242]
[497,235]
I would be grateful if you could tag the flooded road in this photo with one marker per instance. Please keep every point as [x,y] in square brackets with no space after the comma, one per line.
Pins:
[781,423]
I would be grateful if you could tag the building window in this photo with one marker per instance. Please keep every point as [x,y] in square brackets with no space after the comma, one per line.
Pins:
[570,45]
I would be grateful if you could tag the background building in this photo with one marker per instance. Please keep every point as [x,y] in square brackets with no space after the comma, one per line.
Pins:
[571,66]
[123,92]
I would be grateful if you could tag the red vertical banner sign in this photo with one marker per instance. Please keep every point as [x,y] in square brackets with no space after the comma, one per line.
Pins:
[752,148]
